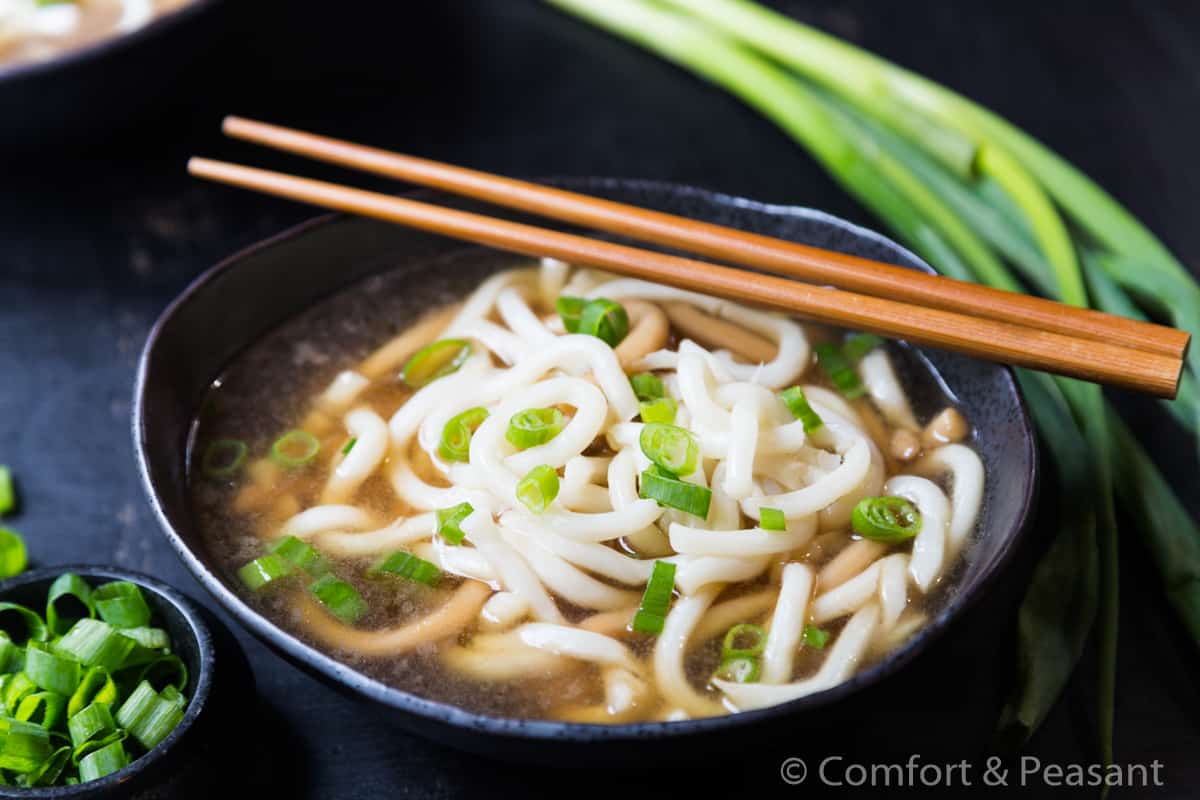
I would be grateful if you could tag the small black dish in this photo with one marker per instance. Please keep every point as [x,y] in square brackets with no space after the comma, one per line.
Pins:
[191,640]
[240,300]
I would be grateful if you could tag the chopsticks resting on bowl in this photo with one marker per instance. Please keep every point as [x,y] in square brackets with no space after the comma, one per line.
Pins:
[1144,357]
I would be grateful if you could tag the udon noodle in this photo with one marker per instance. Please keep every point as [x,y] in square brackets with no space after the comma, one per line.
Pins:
[604,568]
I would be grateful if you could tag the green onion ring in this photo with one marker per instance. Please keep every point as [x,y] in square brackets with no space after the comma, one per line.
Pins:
[534,426]
[604,319]
[672,448]
[729,645]
[223,457]
[295,449]
[538,488]
[797,403]
[434,361]
[890,520]
[455,444]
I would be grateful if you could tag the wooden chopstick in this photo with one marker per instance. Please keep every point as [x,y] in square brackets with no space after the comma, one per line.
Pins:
[726,244]
[990,339]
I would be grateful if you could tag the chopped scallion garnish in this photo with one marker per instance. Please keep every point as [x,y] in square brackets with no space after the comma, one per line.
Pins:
[534,426]
[663,409]
[672,448]
[647,386]
[13,556]
[301,554]
[434,361]
[8,493]
[406,565]
[70,599]
[839,370]
[449,519]
[815,637]
[105,761]
[538,488]
[456,435]
[339,598]
[605,320]
[264,572]
[741,669]
[121,603]
[797,403]
[743,641]
[656,599]
[295,449]
[96,644]
[858,345]
[349,445]
[670,491]
[771,519]
[570,309]
[886,519]
[223,457]
[51,671]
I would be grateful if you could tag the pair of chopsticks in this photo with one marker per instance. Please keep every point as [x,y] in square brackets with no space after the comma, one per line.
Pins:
[881,298]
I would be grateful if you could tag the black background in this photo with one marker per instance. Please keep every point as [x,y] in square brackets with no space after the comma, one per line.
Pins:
[94,241]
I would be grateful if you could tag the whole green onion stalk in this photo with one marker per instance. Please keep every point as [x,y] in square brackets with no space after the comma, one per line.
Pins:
[982,201]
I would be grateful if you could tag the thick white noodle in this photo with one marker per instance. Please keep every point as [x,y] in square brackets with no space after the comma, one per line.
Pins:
[565,580]
[929,546]
[399,534]
[966,487]
[881,383]
[552,276]
[514,573]
[787,623]
[565,640]
[370,435]
[320,519]
[503,610]
[342,391]
[671,647]
[741,543]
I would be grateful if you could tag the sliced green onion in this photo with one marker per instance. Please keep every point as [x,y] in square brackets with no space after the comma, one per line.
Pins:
[264,572]
[661,410]
[46,773]
[670,491]
[150,638]
[815,637]
[223,457]
[886,519]
[66,588]
[295,449]
[456,435]
[534,426]
[771,519]
[743,641]
[656,599]
[16,690]
[121,603]
[406,565]
[8,493]
[25,746]
[858,345]
[839,370]
[150,716]
[605,320]
[538,488]
[42,708]
[12,657]
[13,556]
[96,644]
[797,403]
[741,669]
[434,361]
[647,386]
[96,686]
[105,761]
[165,672]
[90,723]
[31,625]
[449,520]
[301,554]
[349,445]
[672,448]
[51,671]
[339,598]
[570,309]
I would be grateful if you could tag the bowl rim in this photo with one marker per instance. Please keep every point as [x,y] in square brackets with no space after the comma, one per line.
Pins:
[201,636]
[300,652]
[106,45]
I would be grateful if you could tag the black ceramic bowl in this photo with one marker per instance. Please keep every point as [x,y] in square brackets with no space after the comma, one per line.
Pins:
[240,300]
[90,91]
[191,640]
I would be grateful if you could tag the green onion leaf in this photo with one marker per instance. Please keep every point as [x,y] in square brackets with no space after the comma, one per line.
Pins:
[121,603]
[672,448]
[150,638]
[741,669]
[29,623]
[12,657]
[349,445]
[449,519]
[647,386]
[797,403]
[13,556]
[223,457]
[295,449]
[8,493]
[890,520]
[93,722]
[743,640]
[265,572]
[96,644]
[46,773]
[534,426]
[605,320]
[840,373]
[301,554]
[165,672]
[42,708]
[434,361]
[456,435]
[538,488]
[25,746]
[51,671]
[670,491]
[771,519]
[105,761]
[339,598]
[96,686]
[858,345]
[570,309]
[663,409]
[66,588]
[815,637]
[408,566]
[656,599]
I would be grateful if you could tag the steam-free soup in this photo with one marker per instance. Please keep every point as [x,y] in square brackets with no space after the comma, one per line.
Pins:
[566,495]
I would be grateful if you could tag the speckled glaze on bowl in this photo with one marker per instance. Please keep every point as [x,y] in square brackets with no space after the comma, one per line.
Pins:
[191,640]
[210,323]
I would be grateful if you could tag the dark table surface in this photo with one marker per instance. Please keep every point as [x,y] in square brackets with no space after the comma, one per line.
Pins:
[95,241]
